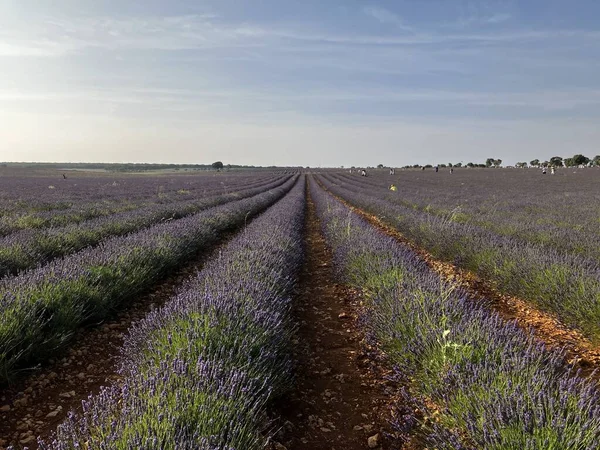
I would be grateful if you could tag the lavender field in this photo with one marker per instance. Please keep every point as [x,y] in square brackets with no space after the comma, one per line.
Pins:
[214,265]
[487,383]
[531,235]
[117,257]
[560,211]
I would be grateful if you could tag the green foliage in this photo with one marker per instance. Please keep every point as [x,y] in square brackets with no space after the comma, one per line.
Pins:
[580,160]
[556,161]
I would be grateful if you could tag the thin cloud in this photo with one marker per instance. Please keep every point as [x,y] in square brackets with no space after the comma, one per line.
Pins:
[480,14]
[436,38]
[385,16]
[58,37]
[272,99]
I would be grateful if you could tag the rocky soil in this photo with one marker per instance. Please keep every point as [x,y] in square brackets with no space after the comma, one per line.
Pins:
[342,396]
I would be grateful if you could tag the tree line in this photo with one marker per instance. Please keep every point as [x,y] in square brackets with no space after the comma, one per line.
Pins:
[555,161]
[558,161]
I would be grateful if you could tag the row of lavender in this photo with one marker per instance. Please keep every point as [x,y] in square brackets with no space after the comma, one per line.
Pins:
[493,385]
[39,192]
[198,373]
[566,285]
[28,248]
[41,308]
[560,213]
[33,203]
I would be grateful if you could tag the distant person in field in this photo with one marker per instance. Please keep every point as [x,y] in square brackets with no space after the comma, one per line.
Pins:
[451,169]
[363,173]
[423,168]
[64,176]
[544,171]
[552,170]
[392,171]
[436,169]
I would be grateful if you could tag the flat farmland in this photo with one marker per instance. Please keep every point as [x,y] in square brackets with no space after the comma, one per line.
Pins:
[300,309]
[531,235]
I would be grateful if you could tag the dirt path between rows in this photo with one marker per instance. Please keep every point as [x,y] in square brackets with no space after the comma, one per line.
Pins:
[341,397]
[37,404]
[547,328]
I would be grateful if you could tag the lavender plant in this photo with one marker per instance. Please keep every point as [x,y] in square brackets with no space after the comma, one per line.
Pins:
[40,201]
[559,212]
[199,373]
[561,283]
[494,386]
[28,248]
[41,308]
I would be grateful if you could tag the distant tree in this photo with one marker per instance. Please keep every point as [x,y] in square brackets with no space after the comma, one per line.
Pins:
[596,160]
[218,165]
[535,162]
[458,164]
[556,161]
[470,164]
[416,166]
[428,166]
[442,166]
[521,164]
[580,160]
[545,164]
[569,162]
[489,162]
[380,166]
[450,165]
[497,162]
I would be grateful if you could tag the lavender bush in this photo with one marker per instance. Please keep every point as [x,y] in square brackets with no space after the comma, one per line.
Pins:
[28,248]
[42,201]
[199,372]
[41,308]
[559,212]
[494,386]
[562,283]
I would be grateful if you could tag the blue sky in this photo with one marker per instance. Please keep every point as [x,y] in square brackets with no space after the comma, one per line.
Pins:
[307,82]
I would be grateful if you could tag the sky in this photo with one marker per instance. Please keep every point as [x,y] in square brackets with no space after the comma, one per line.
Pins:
[307,82]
